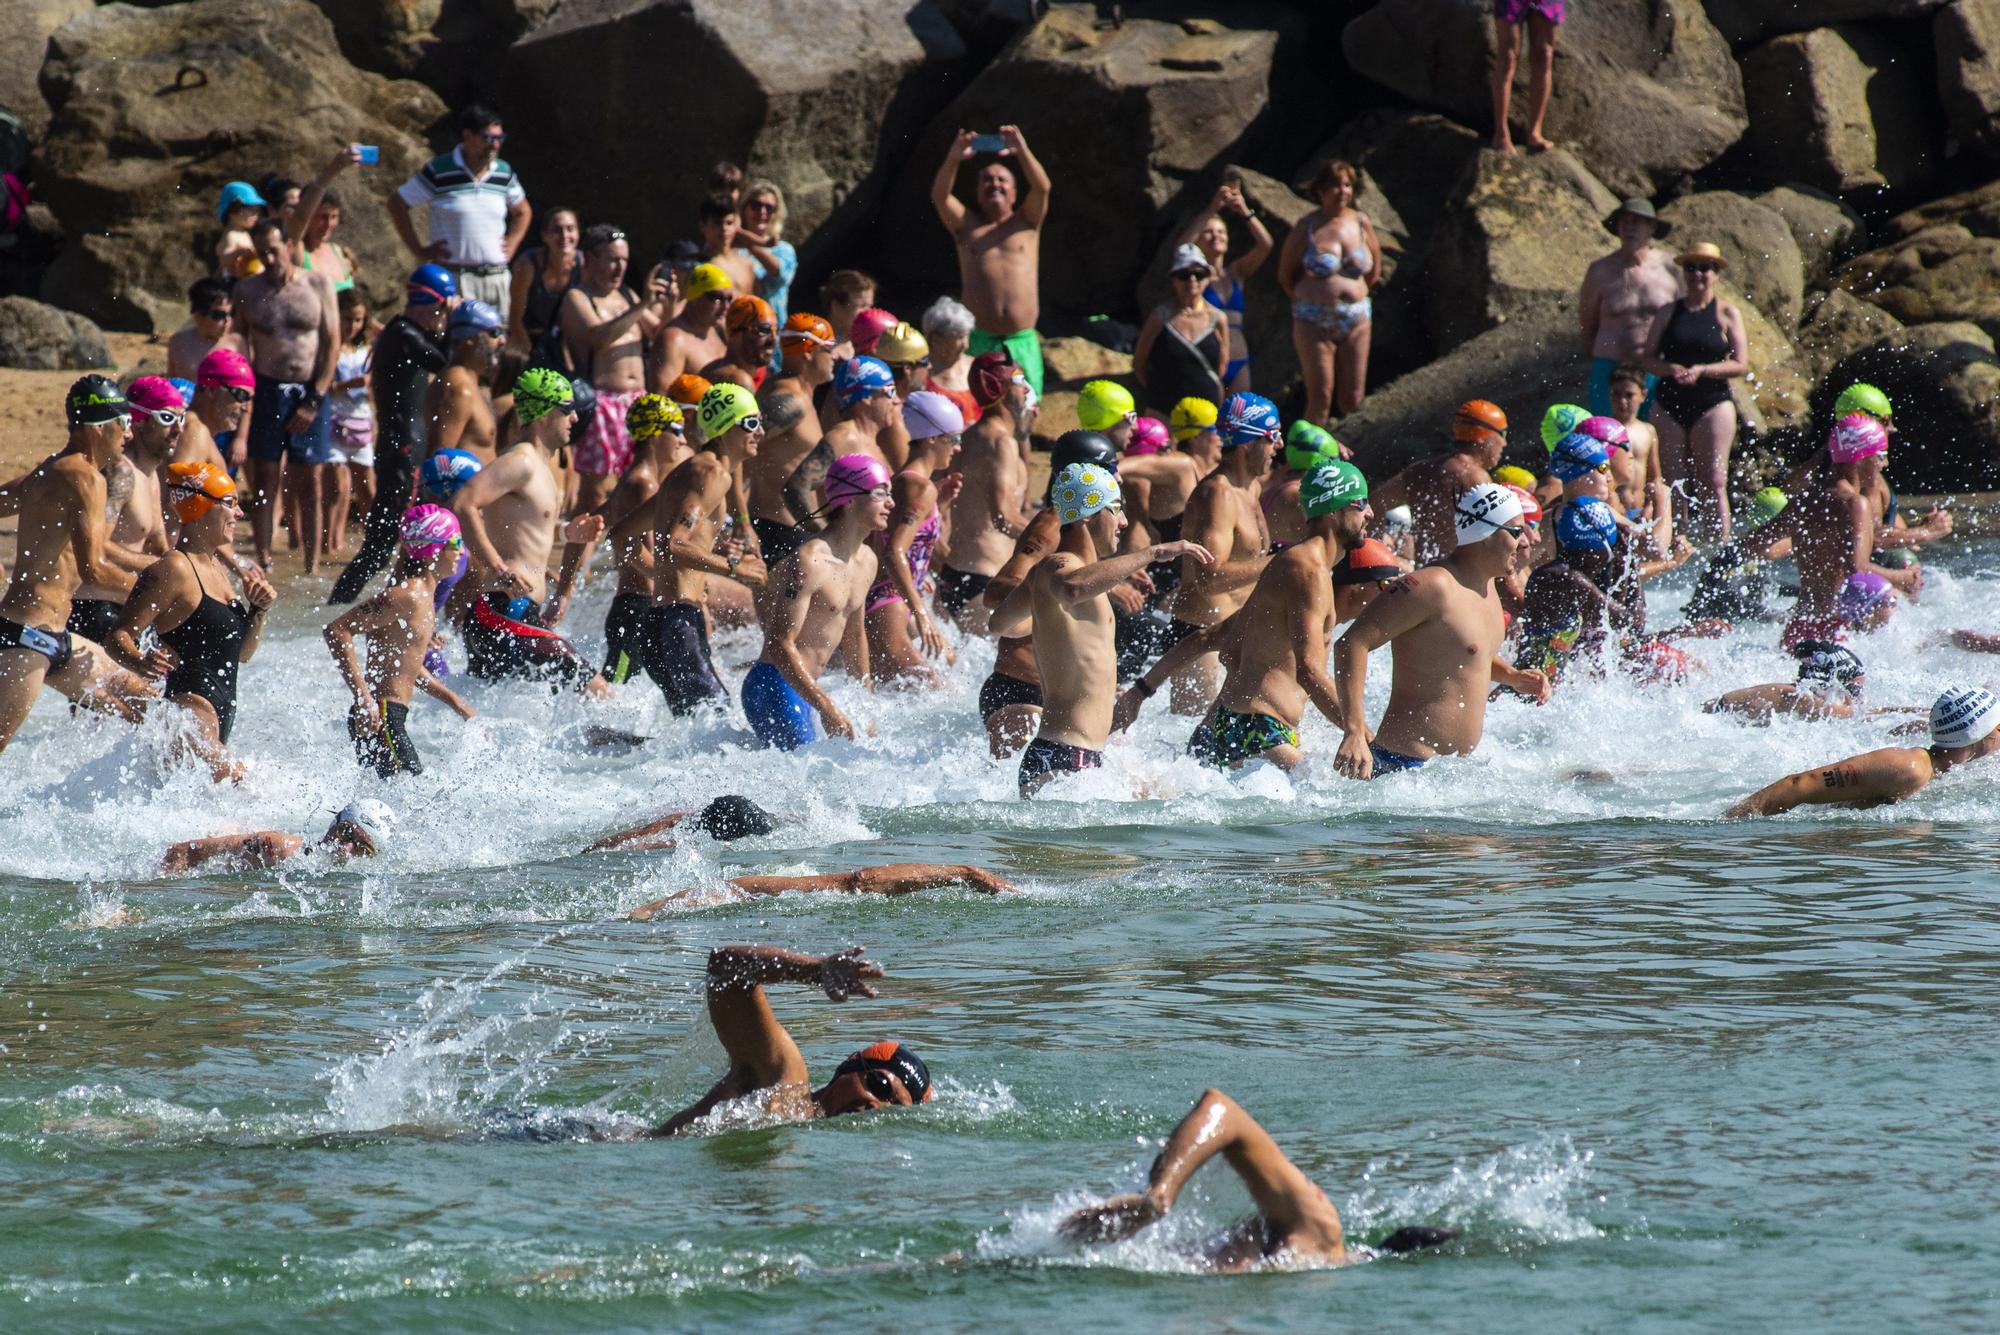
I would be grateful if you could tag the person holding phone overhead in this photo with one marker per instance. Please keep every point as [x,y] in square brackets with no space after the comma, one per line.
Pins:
[999,243]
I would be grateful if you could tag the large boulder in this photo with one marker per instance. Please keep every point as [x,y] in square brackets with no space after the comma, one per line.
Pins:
[1841,109]
[1946,387]
[24,40]
[1747,22]
[35,337]
[1773,396]
[1967,39]
[1937,262]
[1838,324]
[813,96]
[453,45]
[1764,259]
[1644,93]
[155,109]
[1165,105]
[1825,228]
[1518,238]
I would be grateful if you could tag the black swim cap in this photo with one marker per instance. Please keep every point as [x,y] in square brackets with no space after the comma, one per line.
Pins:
[94,399]
[1820,661]
[732,817]
[1083,447]
[897,1060]
[1415,1237]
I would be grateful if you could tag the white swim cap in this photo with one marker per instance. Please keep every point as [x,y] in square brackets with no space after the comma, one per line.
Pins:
[370,815]
[1398,521]
[1484,511]
[1963,716]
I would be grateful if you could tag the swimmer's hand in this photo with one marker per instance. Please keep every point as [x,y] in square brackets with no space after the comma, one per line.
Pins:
[1126,712]
[1126,598]
[751,572]
[512,582]
[835,722]
[257,590]
[986,882]
[1119,1217]
[844,974]
[584,528]
[1173,551]
[928,634]
[159,661]
[1354,759]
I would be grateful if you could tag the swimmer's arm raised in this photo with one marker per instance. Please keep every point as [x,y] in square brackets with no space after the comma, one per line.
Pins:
[761,1053]
[640,836]
[1076,582]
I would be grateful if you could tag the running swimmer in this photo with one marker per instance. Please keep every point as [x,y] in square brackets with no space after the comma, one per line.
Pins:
[1829,685]
[359,830]
[224,388]
[1306,448]
[1965,726]
[659,444]
[692,339]
[1432,487]
[456,405]
[901,632]
[750,330]
[865,390]
[989,514]
[138,534]
[791,437]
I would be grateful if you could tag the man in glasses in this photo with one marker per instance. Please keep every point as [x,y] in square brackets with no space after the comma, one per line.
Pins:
[209,312]
[1274,648]
[224,386]
[478,211]
[1622,293]
[456,405]
[1431,486]
[1446,624]
[62,543]
[750,329]
[138,527]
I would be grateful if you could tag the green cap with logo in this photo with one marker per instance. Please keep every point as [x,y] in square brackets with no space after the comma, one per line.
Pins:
[1331,486]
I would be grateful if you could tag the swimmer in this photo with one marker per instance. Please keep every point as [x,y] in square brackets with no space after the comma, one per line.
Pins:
[1432,487]
[989,514]
[724,819]
[138,534]
[1894,532]
[1306,448]
[457,406]
[1733,586]
[1363,573]
[1830,680]
[864,389]
[1964,726]
[1107,407]
[1064,600]
[780,491]
[763,1058]
[398,623]
[901,631]
[1294,1222]
[1446,625]
[750,330]
[1641,486]
[890,878]
[693,338]
[359,830]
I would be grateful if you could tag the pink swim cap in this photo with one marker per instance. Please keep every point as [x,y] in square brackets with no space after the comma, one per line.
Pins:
[1149,436]
[1607,429]
[1856,436]
[428,530]
[226,366]
[152,393]
[853,476]
[870,323]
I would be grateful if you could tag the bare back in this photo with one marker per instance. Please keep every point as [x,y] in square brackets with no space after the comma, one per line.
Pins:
[62,505]
[791,432]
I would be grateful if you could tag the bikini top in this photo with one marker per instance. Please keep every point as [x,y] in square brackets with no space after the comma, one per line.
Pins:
[1326,263]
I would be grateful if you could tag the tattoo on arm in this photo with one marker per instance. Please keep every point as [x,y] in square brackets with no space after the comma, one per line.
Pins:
[785,412]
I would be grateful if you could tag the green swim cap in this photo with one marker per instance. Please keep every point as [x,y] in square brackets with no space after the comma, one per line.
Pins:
[540,392]
[1862,397]
[1102,404]
[1333,484]
[1306,445]
[723,407]
[1766,505]
[1559,421]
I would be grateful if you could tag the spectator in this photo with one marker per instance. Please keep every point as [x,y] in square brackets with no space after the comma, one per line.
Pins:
[1210,231]
[947,325]
[845,294]
[1622,292]
[1543,17]
[309,226]
[543,274]
[1696,347]
[763,232]
[238,210]
[478,210]
[209,312]
[719,225]
[351,426]
[726,178]
[607,326]
[1000,249]
[1183,347]
[1329,262]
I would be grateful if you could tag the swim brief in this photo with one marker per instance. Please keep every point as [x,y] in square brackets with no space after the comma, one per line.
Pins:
[1001,690]
[777,541]
[625,636]
[957,589]
[1044,759]
[1226,738]
[52,645]
[605,450]
[1023,345]
[1829,629]
[1600,389]
[778,714]
[505,638]
[1392,762]
[93,618]
[389,752]
[678,659]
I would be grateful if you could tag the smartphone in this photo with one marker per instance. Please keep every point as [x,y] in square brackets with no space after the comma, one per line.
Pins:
[987,143]
[369,152]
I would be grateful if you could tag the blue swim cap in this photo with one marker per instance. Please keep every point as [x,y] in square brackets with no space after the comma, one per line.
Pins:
[858,377]
[235,194]
[1587,524]
[430,284]
[448,470]
[184,388]
[1247,417]
[1576,455]
[473,317]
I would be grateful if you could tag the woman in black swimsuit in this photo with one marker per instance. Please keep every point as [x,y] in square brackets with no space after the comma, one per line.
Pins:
[541,275]
[1697,345]
[1184,344]
[187,599]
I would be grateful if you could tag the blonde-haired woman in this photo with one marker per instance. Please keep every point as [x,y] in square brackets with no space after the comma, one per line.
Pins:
[762,232]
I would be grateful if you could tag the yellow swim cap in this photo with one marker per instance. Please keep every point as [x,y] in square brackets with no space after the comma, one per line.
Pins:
[704,279]
[1512,475]
[1103,405]
[1190,418]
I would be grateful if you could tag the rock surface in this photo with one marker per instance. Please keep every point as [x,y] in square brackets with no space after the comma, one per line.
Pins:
[1937,262]
[1745,22]
[155,109]
[1967,37]
[24,38]
[1837,325]
[452,45]
[36,337]
[1840,109]
[1764,260]
[1825,229]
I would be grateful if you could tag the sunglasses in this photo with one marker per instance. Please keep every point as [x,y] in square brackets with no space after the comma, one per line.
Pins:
[219,313]
[492,138]
[1192,275]
[1702,268]
[238,393]
[917,365]
[881,1084]
[165,416]
[761,206]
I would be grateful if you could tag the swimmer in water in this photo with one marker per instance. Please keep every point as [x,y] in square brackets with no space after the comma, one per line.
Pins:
[889,878]
[359,830]
[1965,726]
[763,1059]
[1829,686]
[727,818]
[1431,487]
[1294,1222]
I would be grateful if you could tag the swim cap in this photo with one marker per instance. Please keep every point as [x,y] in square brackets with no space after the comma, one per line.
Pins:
[1894,558]
[731,817]
[1587,524]
[1607,429]
[1191,417]
[1513,475]
[861,377]
[1857,436]
[1369,563]
[805,329]
[539,392]
[650,415]
[582,401]
[1862,397]
[238,194]
[1829,664]
[687,390]
[370,815]
[1083,447]
[928,413]
[1307,445]
[1082,490]
[448,470]
[990,376]
[748,310]
[151,393]
[704,279]
[1333,485]
[1531,508]
[429,284]
[724,407]
[898,1061]
[1560,420]
[226,367]
[870,323]
[852,477]
[183,387]
[195,487]
[94,399]
[472,317]
[428,530]
[1149,436]
[1766,505]
[1858,598]
[1476,419]
[1103,405]
[902,344]
[1577,455]
[1397,521]
[1964,716]
[1247,417]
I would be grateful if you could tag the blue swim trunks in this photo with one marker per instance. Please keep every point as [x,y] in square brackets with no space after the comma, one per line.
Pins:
[779,714]
[1392,762]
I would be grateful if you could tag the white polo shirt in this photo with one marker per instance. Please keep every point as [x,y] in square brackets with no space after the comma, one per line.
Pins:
[467,212]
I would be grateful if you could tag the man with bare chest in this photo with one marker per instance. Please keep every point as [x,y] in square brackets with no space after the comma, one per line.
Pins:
[457,406]
[294,328]
[138,534]
[989,515]
[1622,293]
[999,244]
[791,434]
[1431,487]
[606,326]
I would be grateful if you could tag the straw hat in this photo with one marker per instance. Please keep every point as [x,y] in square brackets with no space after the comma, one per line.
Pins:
[1703,250]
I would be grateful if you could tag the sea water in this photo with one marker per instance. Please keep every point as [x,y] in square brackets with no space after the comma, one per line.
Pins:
[1660,1072]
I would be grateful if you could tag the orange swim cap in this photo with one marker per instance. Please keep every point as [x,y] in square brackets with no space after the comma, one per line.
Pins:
[1476,419]
[688,389]
[748,310]
[196,487]
[805,328]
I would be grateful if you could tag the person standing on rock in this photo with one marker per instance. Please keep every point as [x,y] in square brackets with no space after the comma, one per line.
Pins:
[1225,288]
[1329,262]
[1543,17]
[999,248]
[478,212]
[1697,345]
[1622,293]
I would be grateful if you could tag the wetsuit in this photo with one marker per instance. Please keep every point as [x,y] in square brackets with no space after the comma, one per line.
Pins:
[506,638]
[625,636]
[210,646]
[1693,338]
[405,360]
[678,658]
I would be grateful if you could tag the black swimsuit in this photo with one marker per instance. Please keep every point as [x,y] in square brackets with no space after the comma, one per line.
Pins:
[210,645]
[1693,338]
